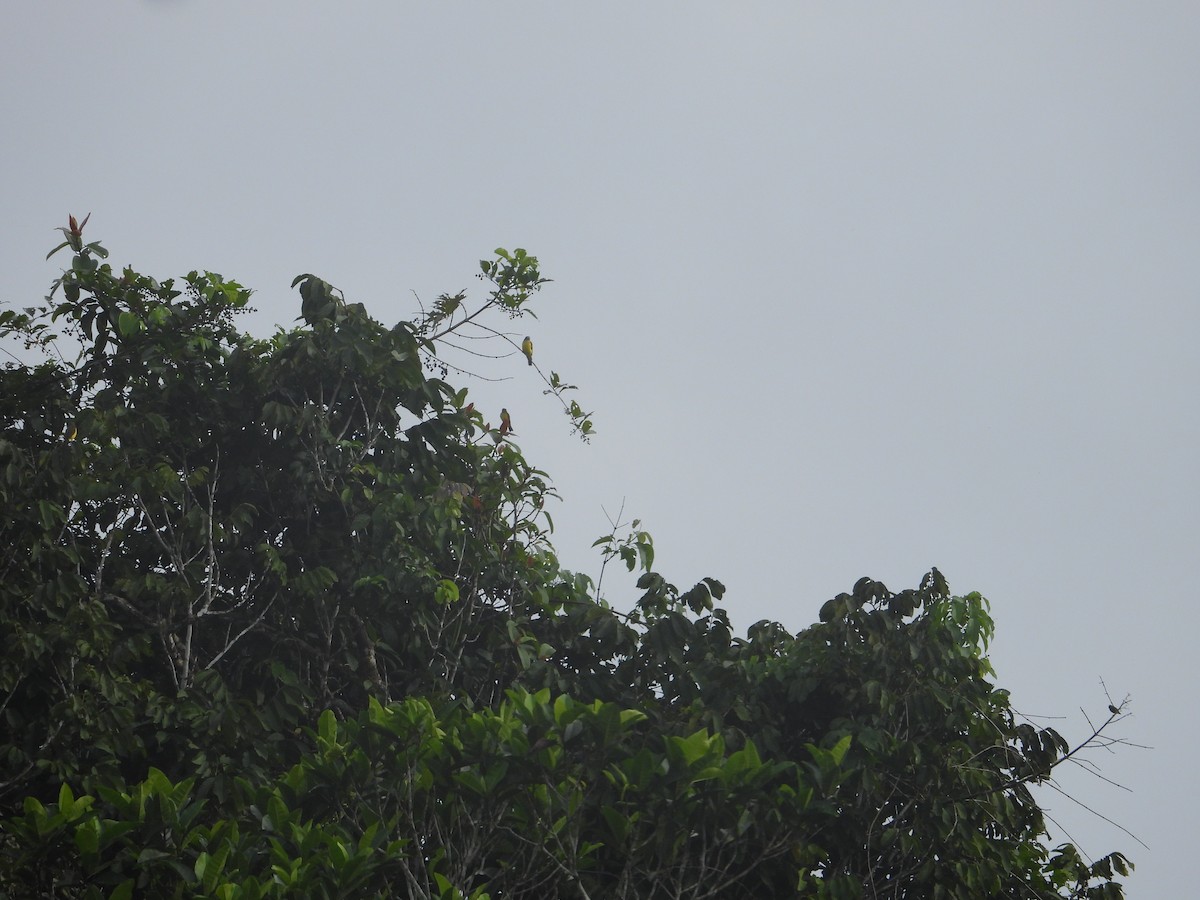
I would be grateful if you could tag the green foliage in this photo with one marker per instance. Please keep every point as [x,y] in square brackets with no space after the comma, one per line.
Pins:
[280,618]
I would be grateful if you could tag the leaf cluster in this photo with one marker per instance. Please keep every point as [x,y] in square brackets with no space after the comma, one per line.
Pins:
[281,617]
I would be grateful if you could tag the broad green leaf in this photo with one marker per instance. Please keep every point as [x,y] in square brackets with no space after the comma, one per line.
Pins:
[128,323]
[838,751]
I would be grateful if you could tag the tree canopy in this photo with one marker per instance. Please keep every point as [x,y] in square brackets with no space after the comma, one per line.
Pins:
[281,617]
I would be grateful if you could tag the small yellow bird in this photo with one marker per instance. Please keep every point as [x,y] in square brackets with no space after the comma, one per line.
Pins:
[527,348]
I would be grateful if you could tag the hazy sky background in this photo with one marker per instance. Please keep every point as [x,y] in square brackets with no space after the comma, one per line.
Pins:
[851,290]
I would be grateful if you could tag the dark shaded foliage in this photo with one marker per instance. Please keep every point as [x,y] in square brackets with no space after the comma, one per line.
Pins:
[280,617]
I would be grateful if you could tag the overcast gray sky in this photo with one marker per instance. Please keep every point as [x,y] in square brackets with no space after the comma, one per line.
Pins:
[852,290]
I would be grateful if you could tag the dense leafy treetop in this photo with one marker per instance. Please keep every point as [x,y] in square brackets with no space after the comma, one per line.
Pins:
[280,617]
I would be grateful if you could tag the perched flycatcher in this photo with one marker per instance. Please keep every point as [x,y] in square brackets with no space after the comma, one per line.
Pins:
[527,349]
